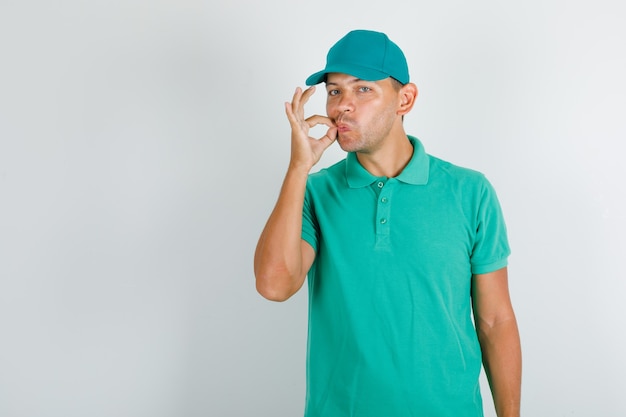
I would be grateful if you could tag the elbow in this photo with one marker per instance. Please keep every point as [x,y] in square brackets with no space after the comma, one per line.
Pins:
[272,294]
[275,287]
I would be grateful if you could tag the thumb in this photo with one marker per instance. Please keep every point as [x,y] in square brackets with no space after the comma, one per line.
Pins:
[329,137]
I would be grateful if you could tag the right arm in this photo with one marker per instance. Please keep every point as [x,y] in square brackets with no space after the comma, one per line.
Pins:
[282,259]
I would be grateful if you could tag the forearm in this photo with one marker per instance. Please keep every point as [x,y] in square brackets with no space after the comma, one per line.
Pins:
[502,360]
[278,257]
[281,260]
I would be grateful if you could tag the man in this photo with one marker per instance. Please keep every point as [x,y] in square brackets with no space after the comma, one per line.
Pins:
[401,249]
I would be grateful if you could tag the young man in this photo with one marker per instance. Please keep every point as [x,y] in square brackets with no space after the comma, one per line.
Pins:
[401,249]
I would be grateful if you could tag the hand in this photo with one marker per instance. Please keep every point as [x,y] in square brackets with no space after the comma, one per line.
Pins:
[305,150]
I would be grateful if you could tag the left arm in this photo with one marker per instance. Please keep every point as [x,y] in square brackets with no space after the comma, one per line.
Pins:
[499,340]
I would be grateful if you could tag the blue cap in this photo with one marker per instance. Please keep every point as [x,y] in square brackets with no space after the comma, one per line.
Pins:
[367,55]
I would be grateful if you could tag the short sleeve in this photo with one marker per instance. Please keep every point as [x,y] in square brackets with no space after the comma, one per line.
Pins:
[310,227]
[491,247]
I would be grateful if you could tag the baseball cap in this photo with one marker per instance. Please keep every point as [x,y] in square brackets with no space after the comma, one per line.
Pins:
[367,55]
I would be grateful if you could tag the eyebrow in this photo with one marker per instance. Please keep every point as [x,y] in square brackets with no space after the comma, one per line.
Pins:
[354,80]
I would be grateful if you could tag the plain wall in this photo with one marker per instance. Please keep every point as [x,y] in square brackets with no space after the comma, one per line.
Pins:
[143,144]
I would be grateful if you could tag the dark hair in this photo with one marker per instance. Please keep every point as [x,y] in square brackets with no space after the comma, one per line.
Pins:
[397,85]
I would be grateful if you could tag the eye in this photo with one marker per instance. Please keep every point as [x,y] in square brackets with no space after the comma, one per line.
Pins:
[364,89]
[333,92]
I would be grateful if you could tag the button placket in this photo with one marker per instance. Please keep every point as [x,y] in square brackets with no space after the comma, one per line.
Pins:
[383,209]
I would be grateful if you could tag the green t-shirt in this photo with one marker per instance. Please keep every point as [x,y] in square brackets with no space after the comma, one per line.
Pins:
[390,320]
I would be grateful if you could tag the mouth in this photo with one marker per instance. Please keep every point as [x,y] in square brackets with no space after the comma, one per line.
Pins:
[343,127]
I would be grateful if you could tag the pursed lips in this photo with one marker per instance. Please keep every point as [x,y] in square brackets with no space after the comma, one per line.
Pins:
[342,126]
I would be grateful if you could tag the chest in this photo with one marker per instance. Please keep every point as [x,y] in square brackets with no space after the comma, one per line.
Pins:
[398,218]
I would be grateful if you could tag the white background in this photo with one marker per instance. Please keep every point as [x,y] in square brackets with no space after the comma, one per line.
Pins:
[142,146]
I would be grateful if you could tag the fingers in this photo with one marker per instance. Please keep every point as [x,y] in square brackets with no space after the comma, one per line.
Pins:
[329,137]
[306,150]
[300,98]
[295,110]
[319,120]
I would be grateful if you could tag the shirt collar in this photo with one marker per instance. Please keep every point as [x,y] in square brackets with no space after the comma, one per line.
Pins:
[415,173]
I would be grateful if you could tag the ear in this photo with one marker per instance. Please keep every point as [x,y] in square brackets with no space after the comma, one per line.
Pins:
[408,95]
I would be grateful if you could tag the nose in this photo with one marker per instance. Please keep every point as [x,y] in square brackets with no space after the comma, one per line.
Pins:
[343,104]
[346,103]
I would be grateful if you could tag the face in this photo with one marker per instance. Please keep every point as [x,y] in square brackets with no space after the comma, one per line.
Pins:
[364,111]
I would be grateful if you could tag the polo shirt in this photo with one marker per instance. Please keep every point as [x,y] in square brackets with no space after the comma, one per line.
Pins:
[390,318]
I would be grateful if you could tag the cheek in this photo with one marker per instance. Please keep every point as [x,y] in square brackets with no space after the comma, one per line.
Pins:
[333,105]
[329,109]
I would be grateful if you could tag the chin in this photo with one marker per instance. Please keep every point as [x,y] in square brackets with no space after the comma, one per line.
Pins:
[348,145]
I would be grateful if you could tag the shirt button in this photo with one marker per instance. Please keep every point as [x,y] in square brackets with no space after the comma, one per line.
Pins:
[383,221]
[381,184]
[384,199]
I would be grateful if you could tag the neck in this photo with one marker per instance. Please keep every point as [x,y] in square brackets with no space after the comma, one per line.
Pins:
[390,159]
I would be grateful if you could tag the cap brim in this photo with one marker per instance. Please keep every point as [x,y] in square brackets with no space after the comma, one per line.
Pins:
[316,78]
[362,73]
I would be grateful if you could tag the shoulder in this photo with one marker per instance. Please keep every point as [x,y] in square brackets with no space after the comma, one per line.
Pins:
[444,171]
[469,187]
